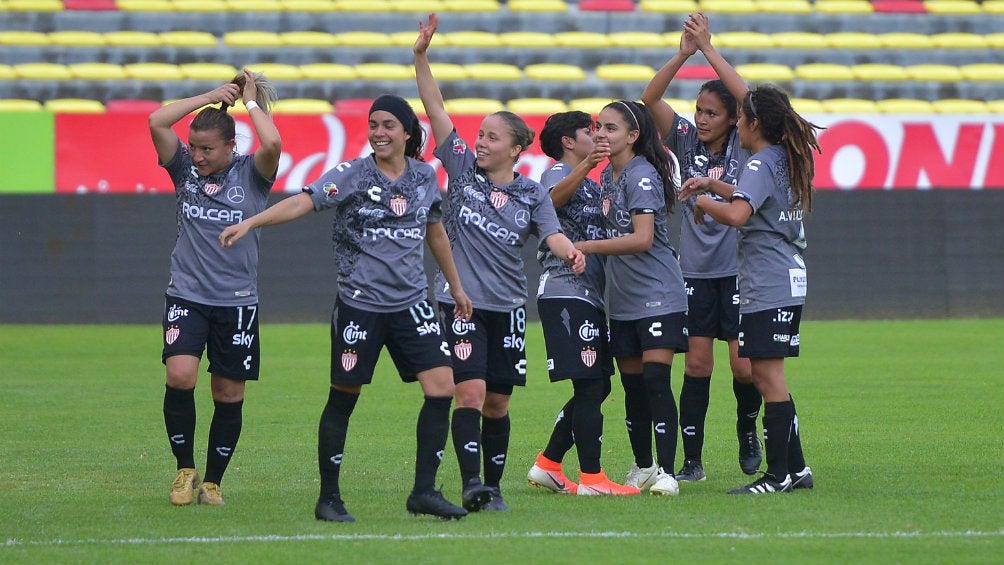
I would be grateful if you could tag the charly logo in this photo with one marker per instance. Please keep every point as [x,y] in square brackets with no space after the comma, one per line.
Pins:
[398,205]
[349,359]
[498,198]
[235,194]
[462,349]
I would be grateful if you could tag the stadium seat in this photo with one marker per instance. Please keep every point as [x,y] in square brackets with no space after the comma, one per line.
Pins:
[302,106]
[685,107]
[448,71]
[537,6]
[183,38]
[254,6]
[364,39]
[879,72]
[582,39]
[208,71]
[42,71]
[471,5]
[638,39]
[153,71]
[74,106]
[201,6]
[7,72]
[729,6]
[417,6]
[407,39]
[807,106]
[328,71]
[956,106]
[904,106]
[375,6]
[19,105]
[995,40]
[824,71]
[906,40]
[784,6]
[959,40]
[319,39]
[991,72]
[591,106]
[625,72]
[744,39]
[278,71]
[144,5]
[606,5]
[934,73]
[89,5]
[952,7]
[132,38]
[765,72]
[132,105]
[308,5]
[554,71]
[77,38]
[493,71]
[249,38]
[849,106]
[35,5]
[899,6]
[995,106]
[844,6]
[97,71]
[21,37]
[385,71]
[531,39]
[416,104]
[473,106]
[536,106]
[853,40]
[353,105]
[470,39]
[993,6]
[799,40]
[669,6]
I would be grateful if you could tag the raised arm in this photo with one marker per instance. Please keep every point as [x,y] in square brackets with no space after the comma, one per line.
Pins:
[432,98]
[266,158]
[662,112]
[162,120]
[697,26]
[283,211]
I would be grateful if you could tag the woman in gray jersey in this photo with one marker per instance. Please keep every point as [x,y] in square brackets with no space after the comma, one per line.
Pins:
[647,302]
[387,207]
[708,147]
[572,311]
[490,213]
[212,298]
[774,190]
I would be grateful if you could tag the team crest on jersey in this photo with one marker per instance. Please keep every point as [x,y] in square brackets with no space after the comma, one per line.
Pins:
[349,359]
[588,355]
[716,172]
[459,146]
[398,204]
[171,335]
[211,188]
[606,206]
[498,198]
[330,189]
[462,350]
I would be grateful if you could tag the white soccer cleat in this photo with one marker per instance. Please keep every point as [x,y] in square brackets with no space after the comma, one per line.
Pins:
[665,484]
[641,477]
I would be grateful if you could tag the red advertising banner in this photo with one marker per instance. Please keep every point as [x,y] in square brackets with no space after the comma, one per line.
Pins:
[112,152]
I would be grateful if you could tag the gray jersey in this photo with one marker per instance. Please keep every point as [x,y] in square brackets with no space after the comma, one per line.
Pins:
[707,251]
[771,270]
[488,225]
[379,230]
[642,284]
[581,219]
[201,269]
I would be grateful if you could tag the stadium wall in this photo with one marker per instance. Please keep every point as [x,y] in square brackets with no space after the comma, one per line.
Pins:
[68,258]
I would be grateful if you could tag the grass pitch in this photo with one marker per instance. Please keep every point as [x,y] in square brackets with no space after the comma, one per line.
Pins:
[901,421]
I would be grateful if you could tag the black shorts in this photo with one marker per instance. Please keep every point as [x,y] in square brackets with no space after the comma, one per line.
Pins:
[577,339]
[770,334]
[629,338]
[491,346]
[228,334]
[413,337]
[713,307]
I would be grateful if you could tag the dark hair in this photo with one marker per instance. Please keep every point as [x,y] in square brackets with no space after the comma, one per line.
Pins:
[648,144]
[400,109]
[522,134]
[780,124]
[213,118]
[717,87]
[559,126]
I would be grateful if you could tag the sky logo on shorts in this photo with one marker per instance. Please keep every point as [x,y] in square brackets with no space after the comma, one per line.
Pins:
[398,204]
[349,359]
[462,349]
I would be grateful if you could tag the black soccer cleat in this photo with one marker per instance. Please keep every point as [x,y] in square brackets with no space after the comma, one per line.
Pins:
[497,504]
[433,503]
[802,479]
[476,495]
[750,455]
[332,510]
[766,484]
[691,472]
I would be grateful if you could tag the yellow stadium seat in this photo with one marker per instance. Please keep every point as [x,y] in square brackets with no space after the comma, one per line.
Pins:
[208,71]
[681,105]
[416,105]
[995,106]
[527,39]
[35,5]
[807,106]
[493,71]
[959,40]
[591,106]
[729,6]
[554,71]
[309,39]
[844,6]
[799,40]
[625,72]
[417,6]
[328,71]
[993,6]
[537,6]
[375,6]
[853,40]
[669,6]
[42,71]
[278,71]
[385,71]
[302,106]
[18,37]
[97,71]
[253,6]
[184,38]
[145,5]
[638,39]
[308,5]
[947,7]
[471,5]
[536,106]
[784,6]
[904,106]
[364,39]
[74,106]
[470,39]
[448,71]
[582,39]
[906,40]
[201,6]
[19,105]
[153,71]
[879,72]
[7,72]
[407,38]
[132,38]
[250,38]
[956,106]
[473,106]
[995,40]
[850,106]
[77,38]
[991,72]
[765,72]
[824,71]
[934,73]
[744,39]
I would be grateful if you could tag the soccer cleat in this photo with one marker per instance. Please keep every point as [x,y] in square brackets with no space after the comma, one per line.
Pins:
[209,494]
[497,504]
[750,455]
[691,472]
[183,488]
[434,504]
[766,484]
[593,484]
[802,479]
[475,495]
[641,477]
[547,474]
[665,484]
[332,510]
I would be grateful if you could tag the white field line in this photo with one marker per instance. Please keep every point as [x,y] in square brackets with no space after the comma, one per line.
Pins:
[514,535]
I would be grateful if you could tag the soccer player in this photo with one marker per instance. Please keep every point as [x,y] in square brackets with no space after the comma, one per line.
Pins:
[490,213]
[572,311]
[386,207]
[212,298]
[774,190]
[647,300]
[708,147]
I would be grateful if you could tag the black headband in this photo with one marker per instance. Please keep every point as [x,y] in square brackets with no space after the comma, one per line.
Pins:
[397,106]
